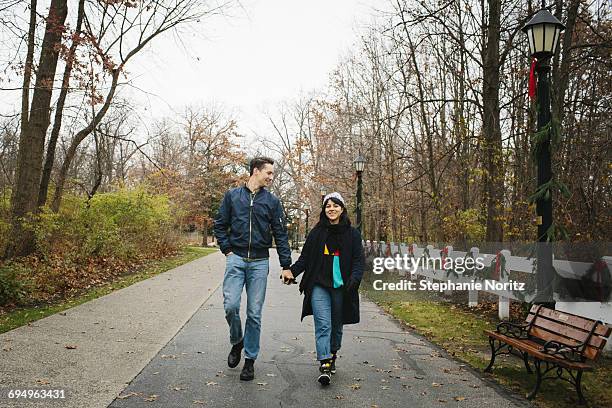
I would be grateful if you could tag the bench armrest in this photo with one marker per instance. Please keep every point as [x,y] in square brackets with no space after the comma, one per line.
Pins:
[564,351]
[517,331]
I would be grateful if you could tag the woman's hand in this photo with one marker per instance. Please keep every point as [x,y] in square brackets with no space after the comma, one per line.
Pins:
[353,285]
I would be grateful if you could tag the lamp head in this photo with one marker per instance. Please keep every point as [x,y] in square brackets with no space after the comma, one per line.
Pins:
[543,32]
[359,163]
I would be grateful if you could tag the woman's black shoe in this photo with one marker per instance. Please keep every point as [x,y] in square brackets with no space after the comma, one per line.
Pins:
[248,371]
[332,369]
[325,376]
[234,355]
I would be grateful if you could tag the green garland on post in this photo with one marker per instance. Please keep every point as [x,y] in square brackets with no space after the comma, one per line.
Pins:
[549,132]
[489,272]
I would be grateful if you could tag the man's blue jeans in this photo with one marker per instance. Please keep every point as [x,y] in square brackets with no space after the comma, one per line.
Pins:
[253,274]
[327,312]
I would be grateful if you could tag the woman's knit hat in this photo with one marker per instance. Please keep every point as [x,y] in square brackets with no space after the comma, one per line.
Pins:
[335,195]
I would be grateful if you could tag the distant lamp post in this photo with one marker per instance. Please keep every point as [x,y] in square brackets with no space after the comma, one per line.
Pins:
[323,193]
[359,163]
[543,32]
[307,211]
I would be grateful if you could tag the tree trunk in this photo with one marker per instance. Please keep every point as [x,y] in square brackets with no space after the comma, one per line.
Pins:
[560,76]
[32,140]
[59,109]
[494,187]
[27,71]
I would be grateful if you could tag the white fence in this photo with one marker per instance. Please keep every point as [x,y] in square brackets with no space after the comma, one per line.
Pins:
[503,263]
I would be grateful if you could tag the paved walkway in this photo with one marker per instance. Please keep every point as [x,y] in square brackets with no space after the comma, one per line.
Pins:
[164,342]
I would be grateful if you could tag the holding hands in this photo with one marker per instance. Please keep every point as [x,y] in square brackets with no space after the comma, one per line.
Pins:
[287,277]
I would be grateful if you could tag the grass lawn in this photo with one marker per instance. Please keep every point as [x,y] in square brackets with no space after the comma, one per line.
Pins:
[459,330]
[22,316]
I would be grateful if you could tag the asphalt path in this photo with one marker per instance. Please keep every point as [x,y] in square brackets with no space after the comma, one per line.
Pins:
[381,364]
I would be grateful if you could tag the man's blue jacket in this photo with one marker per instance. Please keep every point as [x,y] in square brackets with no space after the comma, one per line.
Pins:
[246,222]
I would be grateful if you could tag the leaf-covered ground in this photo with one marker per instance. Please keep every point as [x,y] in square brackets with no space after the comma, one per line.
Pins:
[16,317]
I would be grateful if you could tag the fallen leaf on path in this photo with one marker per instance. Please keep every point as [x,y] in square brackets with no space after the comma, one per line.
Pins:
[436,385]
[171,356]
[441,400]
[459,398]
[339,397]
[178,388]
[155,373]
[128,395]
[151,398]
[356,378]
[419,377]
[199,402]
[263,384]
[355,386]
[212,383]
[43,381]
[385,387]
[70,346]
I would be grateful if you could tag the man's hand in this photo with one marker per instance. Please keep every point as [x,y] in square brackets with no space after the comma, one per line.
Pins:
[287,277]
[229,253]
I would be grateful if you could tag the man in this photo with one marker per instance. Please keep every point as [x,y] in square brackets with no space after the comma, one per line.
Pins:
[247,219]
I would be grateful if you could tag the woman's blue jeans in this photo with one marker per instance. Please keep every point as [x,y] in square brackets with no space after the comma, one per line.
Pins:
[254,275]
[327,312]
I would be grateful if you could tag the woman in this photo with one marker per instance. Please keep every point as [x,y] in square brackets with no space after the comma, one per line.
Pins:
[332,262]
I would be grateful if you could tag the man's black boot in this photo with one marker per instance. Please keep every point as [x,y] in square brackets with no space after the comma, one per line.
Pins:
[332,368]
[248,371]
[234,355]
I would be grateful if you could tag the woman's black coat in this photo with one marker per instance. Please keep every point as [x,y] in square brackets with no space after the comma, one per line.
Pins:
[351,267]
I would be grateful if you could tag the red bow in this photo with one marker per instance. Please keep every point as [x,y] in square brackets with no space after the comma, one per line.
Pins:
[532,79]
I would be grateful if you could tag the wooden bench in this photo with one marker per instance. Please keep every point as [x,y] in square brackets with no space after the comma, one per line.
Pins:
[557,342]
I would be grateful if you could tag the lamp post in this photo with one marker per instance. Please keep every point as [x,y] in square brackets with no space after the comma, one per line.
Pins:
[323,193]
[307,211]
[359,163]
[543,32]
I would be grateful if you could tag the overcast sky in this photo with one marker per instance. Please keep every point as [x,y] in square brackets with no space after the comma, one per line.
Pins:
[268,52]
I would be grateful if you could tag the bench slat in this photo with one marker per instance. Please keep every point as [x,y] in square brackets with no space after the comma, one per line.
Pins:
[590,352]
[579,322]
[570,332]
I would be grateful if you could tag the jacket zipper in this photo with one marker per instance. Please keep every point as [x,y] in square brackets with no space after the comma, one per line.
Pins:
[250,224]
